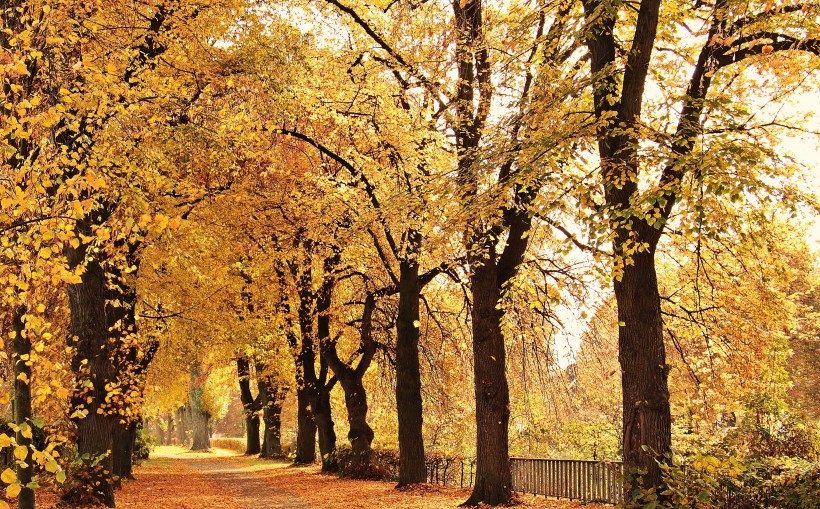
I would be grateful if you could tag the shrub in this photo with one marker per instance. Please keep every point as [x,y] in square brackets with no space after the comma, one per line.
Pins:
[383,464]
[795,489]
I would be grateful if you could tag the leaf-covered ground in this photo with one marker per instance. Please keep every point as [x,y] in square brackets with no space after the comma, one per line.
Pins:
[221,479]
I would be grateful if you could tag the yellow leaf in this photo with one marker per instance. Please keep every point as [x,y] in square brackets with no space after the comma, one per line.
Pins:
[8,476]
[21,452]
[52,466]
[3,505]
[13,490]
[5,440]
[41,308]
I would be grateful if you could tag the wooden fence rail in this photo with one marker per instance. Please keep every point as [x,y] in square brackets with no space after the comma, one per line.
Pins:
[587,481]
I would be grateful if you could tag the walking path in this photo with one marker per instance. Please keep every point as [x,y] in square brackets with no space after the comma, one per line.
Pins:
[175,478]
[180,479]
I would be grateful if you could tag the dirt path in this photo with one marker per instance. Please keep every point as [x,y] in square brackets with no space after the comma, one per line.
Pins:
[221,479]
[176,478]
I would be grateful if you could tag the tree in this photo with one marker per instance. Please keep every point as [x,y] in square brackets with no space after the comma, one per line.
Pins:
[252,405]
[637,217]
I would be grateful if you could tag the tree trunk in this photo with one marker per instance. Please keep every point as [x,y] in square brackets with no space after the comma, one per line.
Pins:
[200,418]
[200,421]
[360,434]
[492,400]
[271,398]
[93,367]
[182,424]
[125,437]
[22,403]
[306,428]
[250,405]
[412,468]
[325,427]
[646,416]
[170,429]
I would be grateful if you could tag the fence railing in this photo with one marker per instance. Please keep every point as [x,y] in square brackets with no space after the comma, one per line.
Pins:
[587,481]
[451,471]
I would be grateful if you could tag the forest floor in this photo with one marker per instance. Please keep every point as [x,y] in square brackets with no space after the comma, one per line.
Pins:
[177,478]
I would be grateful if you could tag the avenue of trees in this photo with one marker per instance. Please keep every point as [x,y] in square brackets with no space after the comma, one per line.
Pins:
[469,227]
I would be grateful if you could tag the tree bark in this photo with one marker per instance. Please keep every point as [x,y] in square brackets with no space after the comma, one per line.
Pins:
[200,418]
[306,428]
[493,481]
[22,404]
[320,401]
[93,367]
[125,437]
[182,425]
[271,398]
[360,433]
[412,468]
[251,406]
[646,411]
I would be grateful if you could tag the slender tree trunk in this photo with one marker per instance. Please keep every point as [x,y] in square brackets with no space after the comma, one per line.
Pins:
[360,433]
[250,405]
[94,370]
[493,481]
[170,429]
[408,375]
[125,437]
[22,403]
[182,424]
[200,418]
[320,402]
[271,398]
[646,416]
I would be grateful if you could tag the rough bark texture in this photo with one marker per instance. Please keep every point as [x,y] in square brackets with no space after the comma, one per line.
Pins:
[647,420]
[271,397]
[493,484]
[93,366]
[250,405]
[22,403]
[408,389]
[646,414]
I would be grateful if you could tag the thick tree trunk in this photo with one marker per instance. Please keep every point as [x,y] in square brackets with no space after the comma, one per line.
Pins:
[306,427]
[94,370]
[250,405]
[408,389]
[493,481]
[200,421]
[647,418]
[200,418]
[271,398]
[22,403]
[360,434]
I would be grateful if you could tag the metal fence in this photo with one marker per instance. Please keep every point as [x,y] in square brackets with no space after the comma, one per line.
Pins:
[448,471]
[587,481]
